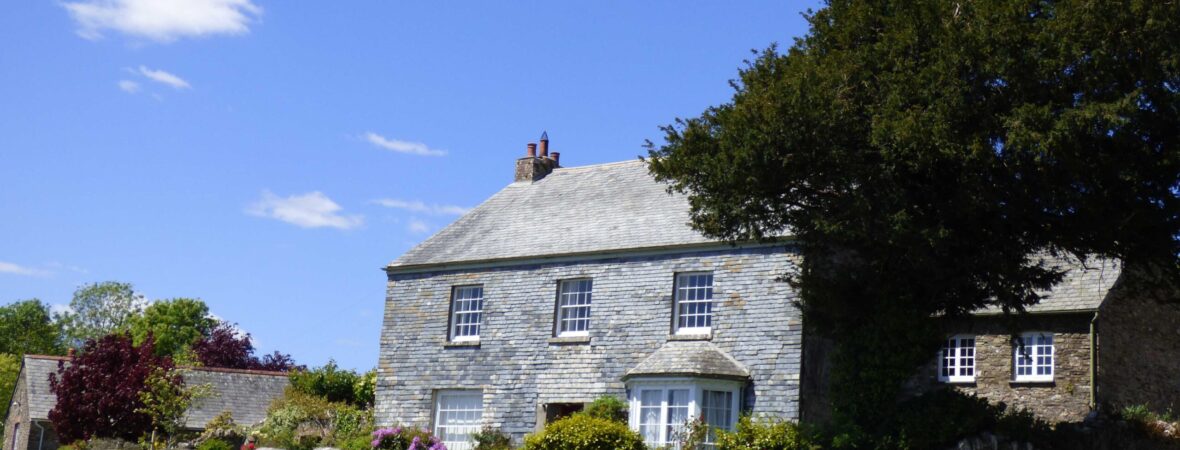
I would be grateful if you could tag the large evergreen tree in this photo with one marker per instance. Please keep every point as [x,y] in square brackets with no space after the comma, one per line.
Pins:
[925,156]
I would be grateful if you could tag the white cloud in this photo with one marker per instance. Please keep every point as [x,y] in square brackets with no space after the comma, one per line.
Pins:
[420,207]
[163,77]
[311,210]
[59,309]
[413,148]
[163,20]
[17,269]
[417,226]
[129,86]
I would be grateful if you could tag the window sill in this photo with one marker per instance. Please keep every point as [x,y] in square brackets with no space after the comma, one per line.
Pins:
[461,344]
[691,337]
[1032,383]
[569,340]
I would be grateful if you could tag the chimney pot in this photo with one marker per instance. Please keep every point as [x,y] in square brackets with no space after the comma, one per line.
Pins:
[556,156]
[532,150]
[544,144]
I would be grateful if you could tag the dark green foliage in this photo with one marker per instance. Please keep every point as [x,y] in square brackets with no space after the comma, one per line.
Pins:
[489,438]
[335,384]
[765,434]
[583,432]
[27,327]
[175,324]
[215,444]
[920,151]
[607,407]
[941,418]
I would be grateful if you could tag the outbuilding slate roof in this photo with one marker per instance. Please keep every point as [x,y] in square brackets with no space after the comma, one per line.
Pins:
[1084,287]
[690,359]
[244,393]
[577,210]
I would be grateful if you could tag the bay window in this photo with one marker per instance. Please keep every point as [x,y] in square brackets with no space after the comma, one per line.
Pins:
[660,409]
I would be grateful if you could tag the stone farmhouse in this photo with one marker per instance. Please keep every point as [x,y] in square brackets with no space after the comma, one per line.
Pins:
[244,393]
[574,283]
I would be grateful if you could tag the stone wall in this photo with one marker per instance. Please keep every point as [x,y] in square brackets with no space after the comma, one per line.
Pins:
[1065,399]
[519,366]
[1139,352]
[18,413]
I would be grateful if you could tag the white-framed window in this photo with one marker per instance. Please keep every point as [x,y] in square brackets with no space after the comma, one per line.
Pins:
[466,312]
[457,415]
[693,309]
[1033,357]
[661,408]
[573,307]
[956,361]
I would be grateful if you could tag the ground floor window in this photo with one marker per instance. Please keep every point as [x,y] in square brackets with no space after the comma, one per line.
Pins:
[957,360]
[1034,357]
[458,415]
[661,409]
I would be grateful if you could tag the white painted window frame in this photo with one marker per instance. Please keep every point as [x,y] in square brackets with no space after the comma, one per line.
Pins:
[1035,349]
[964,357]
[564,297]
[456,313]
[682,288]
[695,388]
[440,415]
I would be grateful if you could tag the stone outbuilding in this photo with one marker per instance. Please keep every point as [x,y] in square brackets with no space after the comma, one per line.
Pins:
[575,283]
[246,394]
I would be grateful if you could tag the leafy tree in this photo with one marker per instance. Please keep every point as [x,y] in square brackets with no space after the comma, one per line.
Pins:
[28,327]
[99,309]
[175,324]
[9,369]
[332,383]
[927,156]
[98,391]
[227,347]
[166,399]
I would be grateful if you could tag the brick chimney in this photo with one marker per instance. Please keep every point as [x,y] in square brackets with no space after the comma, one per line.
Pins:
[534,167]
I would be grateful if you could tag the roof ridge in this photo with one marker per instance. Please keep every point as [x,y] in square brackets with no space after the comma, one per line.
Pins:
[595,166]
[193,368]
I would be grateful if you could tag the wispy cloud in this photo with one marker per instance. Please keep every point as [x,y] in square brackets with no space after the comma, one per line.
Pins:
[311,210]
[129,86]
[421,207]
[163,20]
[417,226]
[17,269]
[163,77]
[413,148]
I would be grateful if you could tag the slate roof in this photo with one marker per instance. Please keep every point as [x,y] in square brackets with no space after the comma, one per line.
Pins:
[1084,287]
[692,359]
[577,210]
[245,393]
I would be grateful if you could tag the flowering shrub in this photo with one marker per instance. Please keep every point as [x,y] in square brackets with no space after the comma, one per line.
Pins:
[399,438]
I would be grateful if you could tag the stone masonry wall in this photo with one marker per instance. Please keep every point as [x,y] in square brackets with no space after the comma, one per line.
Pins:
[18,412]
[1139,352]
[519,368]
[1065,399]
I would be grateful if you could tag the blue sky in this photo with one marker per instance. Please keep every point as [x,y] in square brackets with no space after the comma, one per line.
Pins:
[270,157]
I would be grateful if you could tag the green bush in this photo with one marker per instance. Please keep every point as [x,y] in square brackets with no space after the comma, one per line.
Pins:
[765,434]
[942,418]
[490,438]
[607,407]
[214,444]
[300,421]
[585,432]
[330,382]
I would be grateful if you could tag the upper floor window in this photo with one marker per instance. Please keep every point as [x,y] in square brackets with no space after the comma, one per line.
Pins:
[693,309]
[466,312]
[457,415]
[573,307]
[956,362]
[1034,357]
